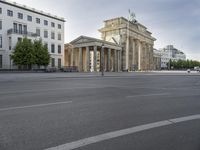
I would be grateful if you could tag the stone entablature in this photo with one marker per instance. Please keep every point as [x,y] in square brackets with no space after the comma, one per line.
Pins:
[88,41]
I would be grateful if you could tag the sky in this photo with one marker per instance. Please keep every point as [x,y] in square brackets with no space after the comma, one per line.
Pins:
[172,22]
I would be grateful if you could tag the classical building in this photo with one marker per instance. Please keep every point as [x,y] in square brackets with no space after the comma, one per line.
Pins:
[170,53]
[18,21]
[157,59]
[136,41]
[87,54]
[67,55]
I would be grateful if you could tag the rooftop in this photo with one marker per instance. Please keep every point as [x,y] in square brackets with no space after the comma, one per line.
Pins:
[31,9]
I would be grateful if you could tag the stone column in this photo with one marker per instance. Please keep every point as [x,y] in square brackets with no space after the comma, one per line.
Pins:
[102,66]
[139,55]
[88,59]
[80,59]
[72,58]
[115,60]
[133,54]
[142,55]
[127,53]
[145,57]
[95,58]
[130,58]
[120,60]
[148,55]
[108,60]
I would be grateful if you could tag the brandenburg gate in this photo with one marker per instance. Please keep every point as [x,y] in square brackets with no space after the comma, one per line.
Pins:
[136,41]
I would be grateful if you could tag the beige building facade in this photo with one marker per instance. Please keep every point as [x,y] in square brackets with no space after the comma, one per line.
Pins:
[87,54]
[136,41]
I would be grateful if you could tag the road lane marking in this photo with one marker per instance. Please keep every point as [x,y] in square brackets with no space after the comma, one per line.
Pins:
[32,106]
[146,95]
[49,90]
[123,132]
[184,119]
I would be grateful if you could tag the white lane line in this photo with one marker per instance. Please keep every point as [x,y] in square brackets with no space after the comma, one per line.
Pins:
[146,95]
[119,133]
[32,106]
[55,89]
[187,118]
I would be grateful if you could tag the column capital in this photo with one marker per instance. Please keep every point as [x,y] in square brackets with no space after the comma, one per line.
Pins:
[136,40]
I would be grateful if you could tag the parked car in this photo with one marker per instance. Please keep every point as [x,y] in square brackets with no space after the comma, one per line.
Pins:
[51,69]
[197,68]
[69,69]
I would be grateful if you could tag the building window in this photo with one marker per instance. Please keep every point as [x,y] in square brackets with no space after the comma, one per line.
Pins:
[52,48]
[19,39]
[59,63]
[45,22]
[59,26]
[45,34]
[53,24]
[1,42]
[29,18]
[52,62]
[25,29]
[10,43]
[20,28]
[20,15]
[59,49]
[0,24]
[0,10]
[59,36]
[1,61]
[38,20]
[52,35]
[15,27]
[38,32]
[10,13]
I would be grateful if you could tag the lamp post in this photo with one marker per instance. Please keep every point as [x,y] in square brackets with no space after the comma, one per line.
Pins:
[102,60]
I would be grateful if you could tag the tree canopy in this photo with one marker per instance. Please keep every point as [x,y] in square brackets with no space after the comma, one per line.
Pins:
[27,53]
[41,53]
[184,64]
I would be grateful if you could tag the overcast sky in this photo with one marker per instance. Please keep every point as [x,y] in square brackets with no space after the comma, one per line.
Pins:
[175,22]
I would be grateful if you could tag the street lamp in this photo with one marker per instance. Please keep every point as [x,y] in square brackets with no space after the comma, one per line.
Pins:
[102,60]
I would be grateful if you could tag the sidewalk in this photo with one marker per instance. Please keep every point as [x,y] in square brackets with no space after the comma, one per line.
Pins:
[5,77]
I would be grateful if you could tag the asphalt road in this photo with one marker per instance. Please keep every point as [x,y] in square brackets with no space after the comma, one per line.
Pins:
[52,110]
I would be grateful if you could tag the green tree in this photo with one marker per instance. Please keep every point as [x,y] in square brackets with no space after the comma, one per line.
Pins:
[184,64]
[27,53]
[179,64]
[23,54]
[41,53]
[188,64]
